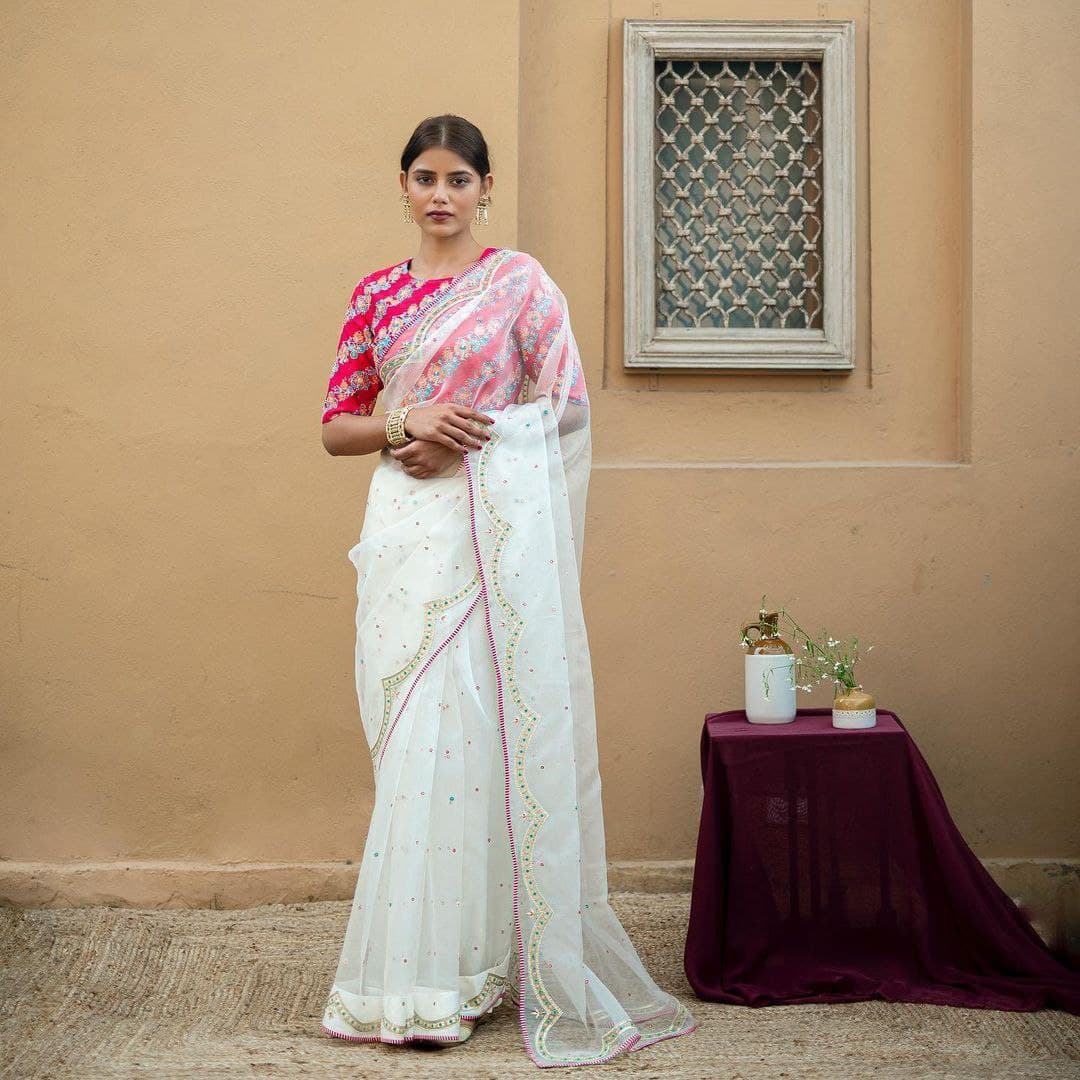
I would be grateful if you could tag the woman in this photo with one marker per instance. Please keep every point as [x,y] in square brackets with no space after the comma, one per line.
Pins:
[483,873]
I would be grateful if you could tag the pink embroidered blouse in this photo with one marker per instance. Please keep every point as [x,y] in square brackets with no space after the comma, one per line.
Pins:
[381,302]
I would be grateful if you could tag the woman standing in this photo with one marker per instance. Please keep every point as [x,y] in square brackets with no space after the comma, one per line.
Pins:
[483,873]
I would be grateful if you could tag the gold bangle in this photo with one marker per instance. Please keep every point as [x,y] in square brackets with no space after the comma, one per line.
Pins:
[395,427]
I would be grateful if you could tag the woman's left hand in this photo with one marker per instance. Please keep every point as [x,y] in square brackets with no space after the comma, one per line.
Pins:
[423,459]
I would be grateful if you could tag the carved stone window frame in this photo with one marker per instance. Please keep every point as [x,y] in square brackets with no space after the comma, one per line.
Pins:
[648,346]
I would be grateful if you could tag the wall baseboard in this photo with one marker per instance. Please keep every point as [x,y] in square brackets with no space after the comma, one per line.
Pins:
[1047,890]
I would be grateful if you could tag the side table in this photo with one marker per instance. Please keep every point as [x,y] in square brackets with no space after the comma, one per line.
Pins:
[829,869]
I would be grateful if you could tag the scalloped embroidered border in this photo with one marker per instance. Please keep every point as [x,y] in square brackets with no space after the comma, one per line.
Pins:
[419,675]
[391,684]
[494,987]
[537,815]
[623,1036]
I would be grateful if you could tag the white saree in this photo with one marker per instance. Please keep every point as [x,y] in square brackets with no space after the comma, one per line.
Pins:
[483,874]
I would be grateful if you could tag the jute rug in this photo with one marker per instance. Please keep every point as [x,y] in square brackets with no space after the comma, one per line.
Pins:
[116,992]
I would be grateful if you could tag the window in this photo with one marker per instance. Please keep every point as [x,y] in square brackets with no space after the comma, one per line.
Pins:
[738,185]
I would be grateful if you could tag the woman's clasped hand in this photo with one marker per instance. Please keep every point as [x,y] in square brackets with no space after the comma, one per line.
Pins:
[441,432]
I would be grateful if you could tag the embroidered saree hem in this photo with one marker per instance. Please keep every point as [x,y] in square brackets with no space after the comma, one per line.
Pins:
[419,1014]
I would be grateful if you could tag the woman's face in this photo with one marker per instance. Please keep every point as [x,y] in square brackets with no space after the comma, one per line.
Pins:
[439,180]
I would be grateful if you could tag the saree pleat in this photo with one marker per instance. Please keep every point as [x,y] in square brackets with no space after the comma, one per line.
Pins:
[425,947]
[484,871]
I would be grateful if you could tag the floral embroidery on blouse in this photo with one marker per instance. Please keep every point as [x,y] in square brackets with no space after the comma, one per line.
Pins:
[387,301]
[391,328]
[380,306]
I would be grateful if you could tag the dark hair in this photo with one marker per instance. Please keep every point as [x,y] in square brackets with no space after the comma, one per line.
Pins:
[452,132]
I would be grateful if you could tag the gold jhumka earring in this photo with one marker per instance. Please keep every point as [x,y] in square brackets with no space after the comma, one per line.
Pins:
[481,216]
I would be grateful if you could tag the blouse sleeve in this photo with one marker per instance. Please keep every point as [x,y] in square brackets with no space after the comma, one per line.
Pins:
[354,383]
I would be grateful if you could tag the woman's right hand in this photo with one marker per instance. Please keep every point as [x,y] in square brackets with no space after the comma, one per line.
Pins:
[446,422]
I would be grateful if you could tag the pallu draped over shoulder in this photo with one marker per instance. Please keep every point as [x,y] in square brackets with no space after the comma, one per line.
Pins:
[483,875]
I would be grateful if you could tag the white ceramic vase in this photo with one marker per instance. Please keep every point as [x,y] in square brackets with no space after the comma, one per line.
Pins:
[770,687]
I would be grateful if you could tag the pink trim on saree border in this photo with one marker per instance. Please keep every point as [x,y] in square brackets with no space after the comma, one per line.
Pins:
[416,678]
[646,1041]
[631,1041]
[506,757]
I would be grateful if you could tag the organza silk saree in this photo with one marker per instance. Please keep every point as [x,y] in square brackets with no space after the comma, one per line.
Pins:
[483,874]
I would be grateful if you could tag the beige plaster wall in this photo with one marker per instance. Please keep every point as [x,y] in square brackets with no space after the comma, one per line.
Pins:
[190,193]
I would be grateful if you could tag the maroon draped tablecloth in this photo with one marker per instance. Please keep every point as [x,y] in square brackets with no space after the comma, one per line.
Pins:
[829,869]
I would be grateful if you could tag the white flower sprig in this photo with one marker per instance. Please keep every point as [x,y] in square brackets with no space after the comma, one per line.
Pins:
[821,658]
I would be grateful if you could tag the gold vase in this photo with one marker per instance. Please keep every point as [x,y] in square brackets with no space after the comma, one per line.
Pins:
[853,708]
